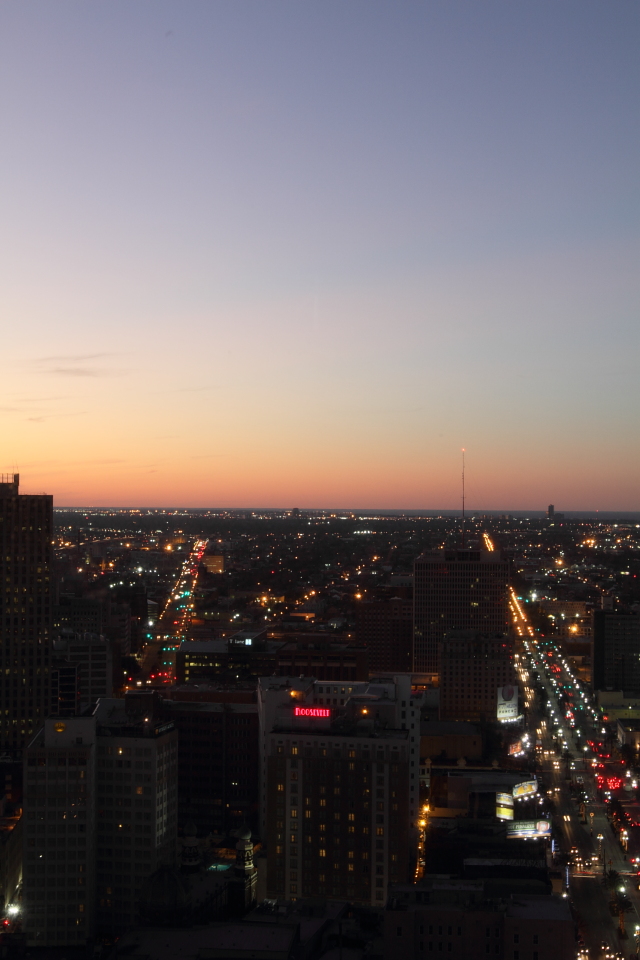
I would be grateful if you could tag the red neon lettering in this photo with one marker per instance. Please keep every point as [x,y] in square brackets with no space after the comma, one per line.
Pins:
[311,712]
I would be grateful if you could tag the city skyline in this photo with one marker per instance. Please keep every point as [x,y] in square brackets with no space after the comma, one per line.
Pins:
[302,255]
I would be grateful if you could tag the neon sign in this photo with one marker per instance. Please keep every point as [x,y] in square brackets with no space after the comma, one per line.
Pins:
[311,712]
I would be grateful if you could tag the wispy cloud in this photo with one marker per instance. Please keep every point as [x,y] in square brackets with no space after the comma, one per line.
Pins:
[75,365]
[78,372]
[54,416]
[75,357]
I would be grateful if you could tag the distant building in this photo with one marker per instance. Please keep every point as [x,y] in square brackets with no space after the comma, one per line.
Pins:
[386,628]
[324,658]
[616,651]
[247,654]
[213,563]
[65,688]
[341,789]
[94,659]
[26,531]
[473,666]
[457,590]
[79,615]
[100,805]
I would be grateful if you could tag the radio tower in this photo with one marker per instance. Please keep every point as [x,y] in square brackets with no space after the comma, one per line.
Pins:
[463,498]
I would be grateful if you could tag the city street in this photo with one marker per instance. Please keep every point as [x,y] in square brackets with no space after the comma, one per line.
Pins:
[565,763]
[158,660]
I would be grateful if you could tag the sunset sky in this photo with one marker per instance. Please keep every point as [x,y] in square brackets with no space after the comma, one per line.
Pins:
[294,253]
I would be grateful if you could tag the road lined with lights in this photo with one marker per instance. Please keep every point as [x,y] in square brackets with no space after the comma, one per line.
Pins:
[564,753]
[158,664]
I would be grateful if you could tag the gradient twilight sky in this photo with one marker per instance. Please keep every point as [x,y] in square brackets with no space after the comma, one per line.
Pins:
[300,253]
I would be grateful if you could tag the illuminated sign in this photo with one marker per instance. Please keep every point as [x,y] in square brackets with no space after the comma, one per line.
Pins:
[311,712]
[526,789]
[507,705]
[515,748]
[528,828]
[504,806]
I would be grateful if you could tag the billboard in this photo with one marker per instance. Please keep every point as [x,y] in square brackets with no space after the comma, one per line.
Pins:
[526,789]
[507,703]
[504,806]
[515,748]
[520,829]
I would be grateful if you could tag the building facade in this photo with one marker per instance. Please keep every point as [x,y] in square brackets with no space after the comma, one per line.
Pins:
[218,787]
[93,656]
[100,805]
[386,629]
[26,531]
[341,789]
[468,920]
[473,666]
[456,590]
[616,651]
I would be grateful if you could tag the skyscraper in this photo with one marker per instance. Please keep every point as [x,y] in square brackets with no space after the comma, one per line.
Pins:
[26,527]
[456,590]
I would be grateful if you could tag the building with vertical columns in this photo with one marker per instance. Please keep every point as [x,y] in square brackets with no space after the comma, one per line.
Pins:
[26,530]
[456,590]
[341,788]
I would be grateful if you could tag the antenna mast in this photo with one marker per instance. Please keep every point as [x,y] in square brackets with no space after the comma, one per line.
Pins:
[463,498]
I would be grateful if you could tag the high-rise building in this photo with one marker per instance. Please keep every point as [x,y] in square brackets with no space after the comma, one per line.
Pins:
[456,590]
[386,628]
[94,656]
[341,788]
[100,803]
[473,667]
[26,529]
[219,755]
[616,651]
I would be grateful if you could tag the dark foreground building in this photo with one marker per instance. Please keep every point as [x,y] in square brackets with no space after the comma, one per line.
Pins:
[26,530]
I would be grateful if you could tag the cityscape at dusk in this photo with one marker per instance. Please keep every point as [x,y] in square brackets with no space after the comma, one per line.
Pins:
[319,480]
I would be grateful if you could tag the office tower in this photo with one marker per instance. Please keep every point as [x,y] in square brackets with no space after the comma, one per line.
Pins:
[26,530]
[341,788]
[218,788]
[616,651]
[386,628]
[94,656]
[473,666]
[79,615]
[456,590]
[551,511]
[100,817]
